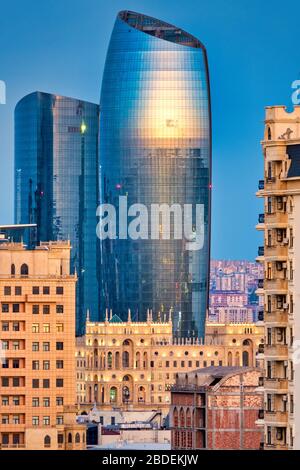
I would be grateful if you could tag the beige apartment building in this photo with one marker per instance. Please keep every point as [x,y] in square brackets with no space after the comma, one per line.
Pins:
[37,333]
[280,288]
[132,365]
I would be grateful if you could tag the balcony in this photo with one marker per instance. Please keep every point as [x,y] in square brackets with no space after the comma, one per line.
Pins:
[277,316]
[276,384]
[276,350]
[276,218]
[260,316]
[276,285]
[261,218]
[260,284]
[261,251]
[276,251]
[261,185]
[277,418]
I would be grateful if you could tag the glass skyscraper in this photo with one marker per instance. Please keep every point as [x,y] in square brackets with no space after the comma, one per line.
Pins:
[155,148]
[57,183]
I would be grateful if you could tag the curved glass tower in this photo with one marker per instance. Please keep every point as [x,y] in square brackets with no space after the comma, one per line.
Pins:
[57,183]
[155,148]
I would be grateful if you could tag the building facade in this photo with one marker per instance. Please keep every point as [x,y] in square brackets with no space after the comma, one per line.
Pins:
[57,183]
[134,364]
[280,255]
[37,339]
[217,408]
[155,150]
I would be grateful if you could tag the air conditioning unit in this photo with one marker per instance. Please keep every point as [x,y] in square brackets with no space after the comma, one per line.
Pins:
[284,198]
[285,241]
[285,306]
[284,398]
[284,265]
[285,363]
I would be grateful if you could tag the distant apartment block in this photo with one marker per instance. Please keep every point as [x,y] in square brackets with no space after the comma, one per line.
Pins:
[280,288]
[37,338]
[217,408]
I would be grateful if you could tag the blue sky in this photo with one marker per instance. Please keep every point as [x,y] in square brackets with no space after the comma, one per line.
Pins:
[254,56]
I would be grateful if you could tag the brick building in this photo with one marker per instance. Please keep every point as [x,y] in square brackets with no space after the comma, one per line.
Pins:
[217,408]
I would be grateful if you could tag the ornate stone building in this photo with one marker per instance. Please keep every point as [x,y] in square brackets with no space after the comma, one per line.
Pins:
[134,364]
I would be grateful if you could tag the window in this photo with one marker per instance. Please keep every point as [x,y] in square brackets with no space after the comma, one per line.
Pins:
[46,290]
[16,326]
[59,420]
[46,346]
[5,326]
[5,381]
[59,346]
[7,290]
[46,365]
[5,419]
[35,290]
[59,401]
[16,364]
[59,382]
[60,438]
[77,436]
[59,290]
[59,364]
[46,420]
[47,441]
[59,327]
[16,382]
[59,309]
[46,402]
[35,402]
[5,401]
[13,270]
[46,327]
[5,364]
[35,421]
[35,328]
[16,308]
[35,383]
[35,309]
[24,270]
[16,401]
[5,308]
[46,309]
[35,346]
[46,383]
[18,290]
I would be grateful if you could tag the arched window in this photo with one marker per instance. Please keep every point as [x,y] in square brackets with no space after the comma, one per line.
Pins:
[70,438]
[269,133]
[24,270]
[117,360]
[188,418]
[237,358]
[245,358]
[125,359]
[47,441]
[229,360]
[113,395]
[182,418]
[126,342]
[77,438]
[13,270]
[247,342]
[175,418]
[109,360]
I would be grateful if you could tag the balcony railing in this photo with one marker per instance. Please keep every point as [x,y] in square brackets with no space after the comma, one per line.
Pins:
[261,251]
[261,184]
[260,315]
[261,218]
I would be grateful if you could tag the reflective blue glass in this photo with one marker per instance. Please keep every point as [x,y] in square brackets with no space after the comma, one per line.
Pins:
[155,147]
[57,183]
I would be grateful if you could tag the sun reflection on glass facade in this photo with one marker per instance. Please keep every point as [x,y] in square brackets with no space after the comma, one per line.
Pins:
[57,183]
[155,147]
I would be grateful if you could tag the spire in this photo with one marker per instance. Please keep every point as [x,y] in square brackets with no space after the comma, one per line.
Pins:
[159,317]
[170,315]
[151,316]
[106,315]
[129,316]
[88,315]
[148,316]
[110,314]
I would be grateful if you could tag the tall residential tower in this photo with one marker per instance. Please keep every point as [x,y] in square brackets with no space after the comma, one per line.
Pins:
[56,183]
[155,148]
[280,288]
